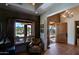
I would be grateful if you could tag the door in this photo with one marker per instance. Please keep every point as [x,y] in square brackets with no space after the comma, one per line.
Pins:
[61,33]
[77,33]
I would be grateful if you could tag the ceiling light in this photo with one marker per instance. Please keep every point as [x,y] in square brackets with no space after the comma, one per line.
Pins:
[36,12]
[68,14]
[51,22]
[6,4]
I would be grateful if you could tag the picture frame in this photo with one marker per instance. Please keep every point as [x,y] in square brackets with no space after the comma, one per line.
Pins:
[42,28]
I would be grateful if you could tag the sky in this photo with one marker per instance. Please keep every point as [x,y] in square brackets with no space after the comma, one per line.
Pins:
[19,25]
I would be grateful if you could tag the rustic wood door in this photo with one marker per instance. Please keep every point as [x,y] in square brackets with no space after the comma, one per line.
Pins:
[61,32]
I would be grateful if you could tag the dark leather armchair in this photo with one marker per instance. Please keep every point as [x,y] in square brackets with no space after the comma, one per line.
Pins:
[35,46]
[6,46]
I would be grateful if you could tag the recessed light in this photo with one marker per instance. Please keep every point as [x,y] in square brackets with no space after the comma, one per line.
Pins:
[6,4]
[36,12]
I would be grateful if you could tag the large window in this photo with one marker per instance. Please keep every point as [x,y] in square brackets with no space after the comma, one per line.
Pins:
[21,29]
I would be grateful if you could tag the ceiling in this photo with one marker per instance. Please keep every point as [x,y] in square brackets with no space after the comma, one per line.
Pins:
[37,9]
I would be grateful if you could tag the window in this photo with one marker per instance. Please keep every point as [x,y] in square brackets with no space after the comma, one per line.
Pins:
[29,30]
[19,30]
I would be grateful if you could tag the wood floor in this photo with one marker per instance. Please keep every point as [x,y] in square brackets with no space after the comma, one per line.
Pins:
[59,49]
[62,49]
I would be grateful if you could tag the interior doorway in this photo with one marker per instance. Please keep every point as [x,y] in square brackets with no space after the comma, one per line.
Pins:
[57,33]
[57,30]
[52,32]
[77,33]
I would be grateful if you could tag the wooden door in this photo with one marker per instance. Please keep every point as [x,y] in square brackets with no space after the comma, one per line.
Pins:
[61,33]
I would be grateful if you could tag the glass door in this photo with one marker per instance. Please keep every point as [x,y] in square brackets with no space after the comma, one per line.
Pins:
[23,32]
[19,32]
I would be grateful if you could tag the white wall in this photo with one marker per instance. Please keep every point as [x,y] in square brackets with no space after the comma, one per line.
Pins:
[71,31]
[57,8]
[43,35]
